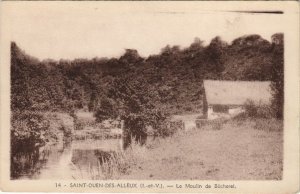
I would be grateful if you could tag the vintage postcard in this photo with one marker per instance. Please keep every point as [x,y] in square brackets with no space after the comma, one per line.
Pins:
[150,96]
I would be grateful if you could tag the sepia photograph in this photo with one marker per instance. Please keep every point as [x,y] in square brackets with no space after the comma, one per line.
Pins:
[147,92]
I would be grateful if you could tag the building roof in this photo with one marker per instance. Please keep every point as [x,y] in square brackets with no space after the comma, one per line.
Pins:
[237,92]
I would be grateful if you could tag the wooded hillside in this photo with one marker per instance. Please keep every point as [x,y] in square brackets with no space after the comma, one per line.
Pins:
[173,77]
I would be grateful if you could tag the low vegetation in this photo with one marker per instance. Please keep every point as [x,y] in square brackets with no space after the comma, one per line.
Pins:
[32,130]
[249,149]
[113,166]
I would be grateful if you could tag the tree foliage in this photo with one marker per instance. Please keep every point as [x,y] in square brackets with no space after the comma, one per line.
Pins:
[142,91]
[277,74]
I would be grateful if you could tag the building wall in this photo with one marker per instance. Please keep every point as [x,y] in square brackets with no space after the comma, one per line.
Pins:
[236,110]
[211,114]
[232,111]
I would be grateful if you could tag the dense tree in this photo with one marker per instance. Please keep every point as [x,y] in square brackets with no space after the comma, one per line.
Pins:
[141,91]
[134,101]
[277,74]
[215,54]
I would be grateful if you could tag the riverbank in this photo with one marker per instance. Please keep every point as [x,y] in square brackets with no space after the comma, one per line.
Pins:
[251,149]
[40,128]
[236,149]
[33,130]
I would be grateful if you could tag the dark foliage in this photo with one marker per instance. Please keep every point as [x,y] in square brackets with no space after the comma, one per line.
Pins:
[277,73]
[28,131]
[142,91]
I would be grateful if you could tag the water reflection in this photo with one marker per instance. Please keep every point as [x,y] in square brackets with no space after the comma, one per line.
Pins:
[68,160]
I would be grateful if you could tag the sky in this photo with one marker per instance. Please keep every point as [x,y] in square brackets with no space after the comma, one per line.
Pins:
[99,30]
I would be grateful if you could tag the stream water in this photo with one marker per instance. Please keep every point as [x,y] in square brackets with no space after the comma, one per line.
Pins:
[66,160]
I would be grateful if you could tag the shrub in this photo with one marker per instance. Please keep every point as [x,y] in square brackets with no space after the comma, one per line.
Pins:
[78,125]
[168,128]
[27,130]
[188,108]
[259,110]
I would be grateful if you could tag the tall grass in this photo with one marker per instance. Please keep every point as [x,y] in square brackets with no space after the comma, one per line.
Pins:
[161,156]
[118,164]
[261,115]
[268,124]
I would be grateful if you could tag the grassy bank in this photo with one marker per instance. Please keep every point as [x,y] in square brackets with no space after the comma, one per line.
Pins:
[250,149]
[237,149]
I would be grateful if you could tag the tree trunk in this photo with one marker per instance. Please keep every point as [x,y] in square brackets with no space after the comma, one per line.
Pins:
[132,132]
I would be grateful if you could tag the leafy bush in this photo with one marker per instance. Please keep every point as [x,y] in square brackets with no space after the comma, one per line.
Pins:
[168,128]
[105,110]
[260,110]
[28,130]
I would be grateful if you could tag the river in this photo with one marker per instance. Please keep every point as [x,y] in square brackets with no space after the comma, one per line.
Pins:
[77,159]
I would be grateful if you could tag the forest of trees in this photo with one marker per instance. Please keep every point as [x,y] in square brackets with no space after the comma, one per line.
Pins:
[133,87]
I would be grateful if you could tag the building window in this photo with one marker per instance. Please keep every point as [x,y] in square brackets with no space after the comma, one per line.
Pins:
[220,108]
